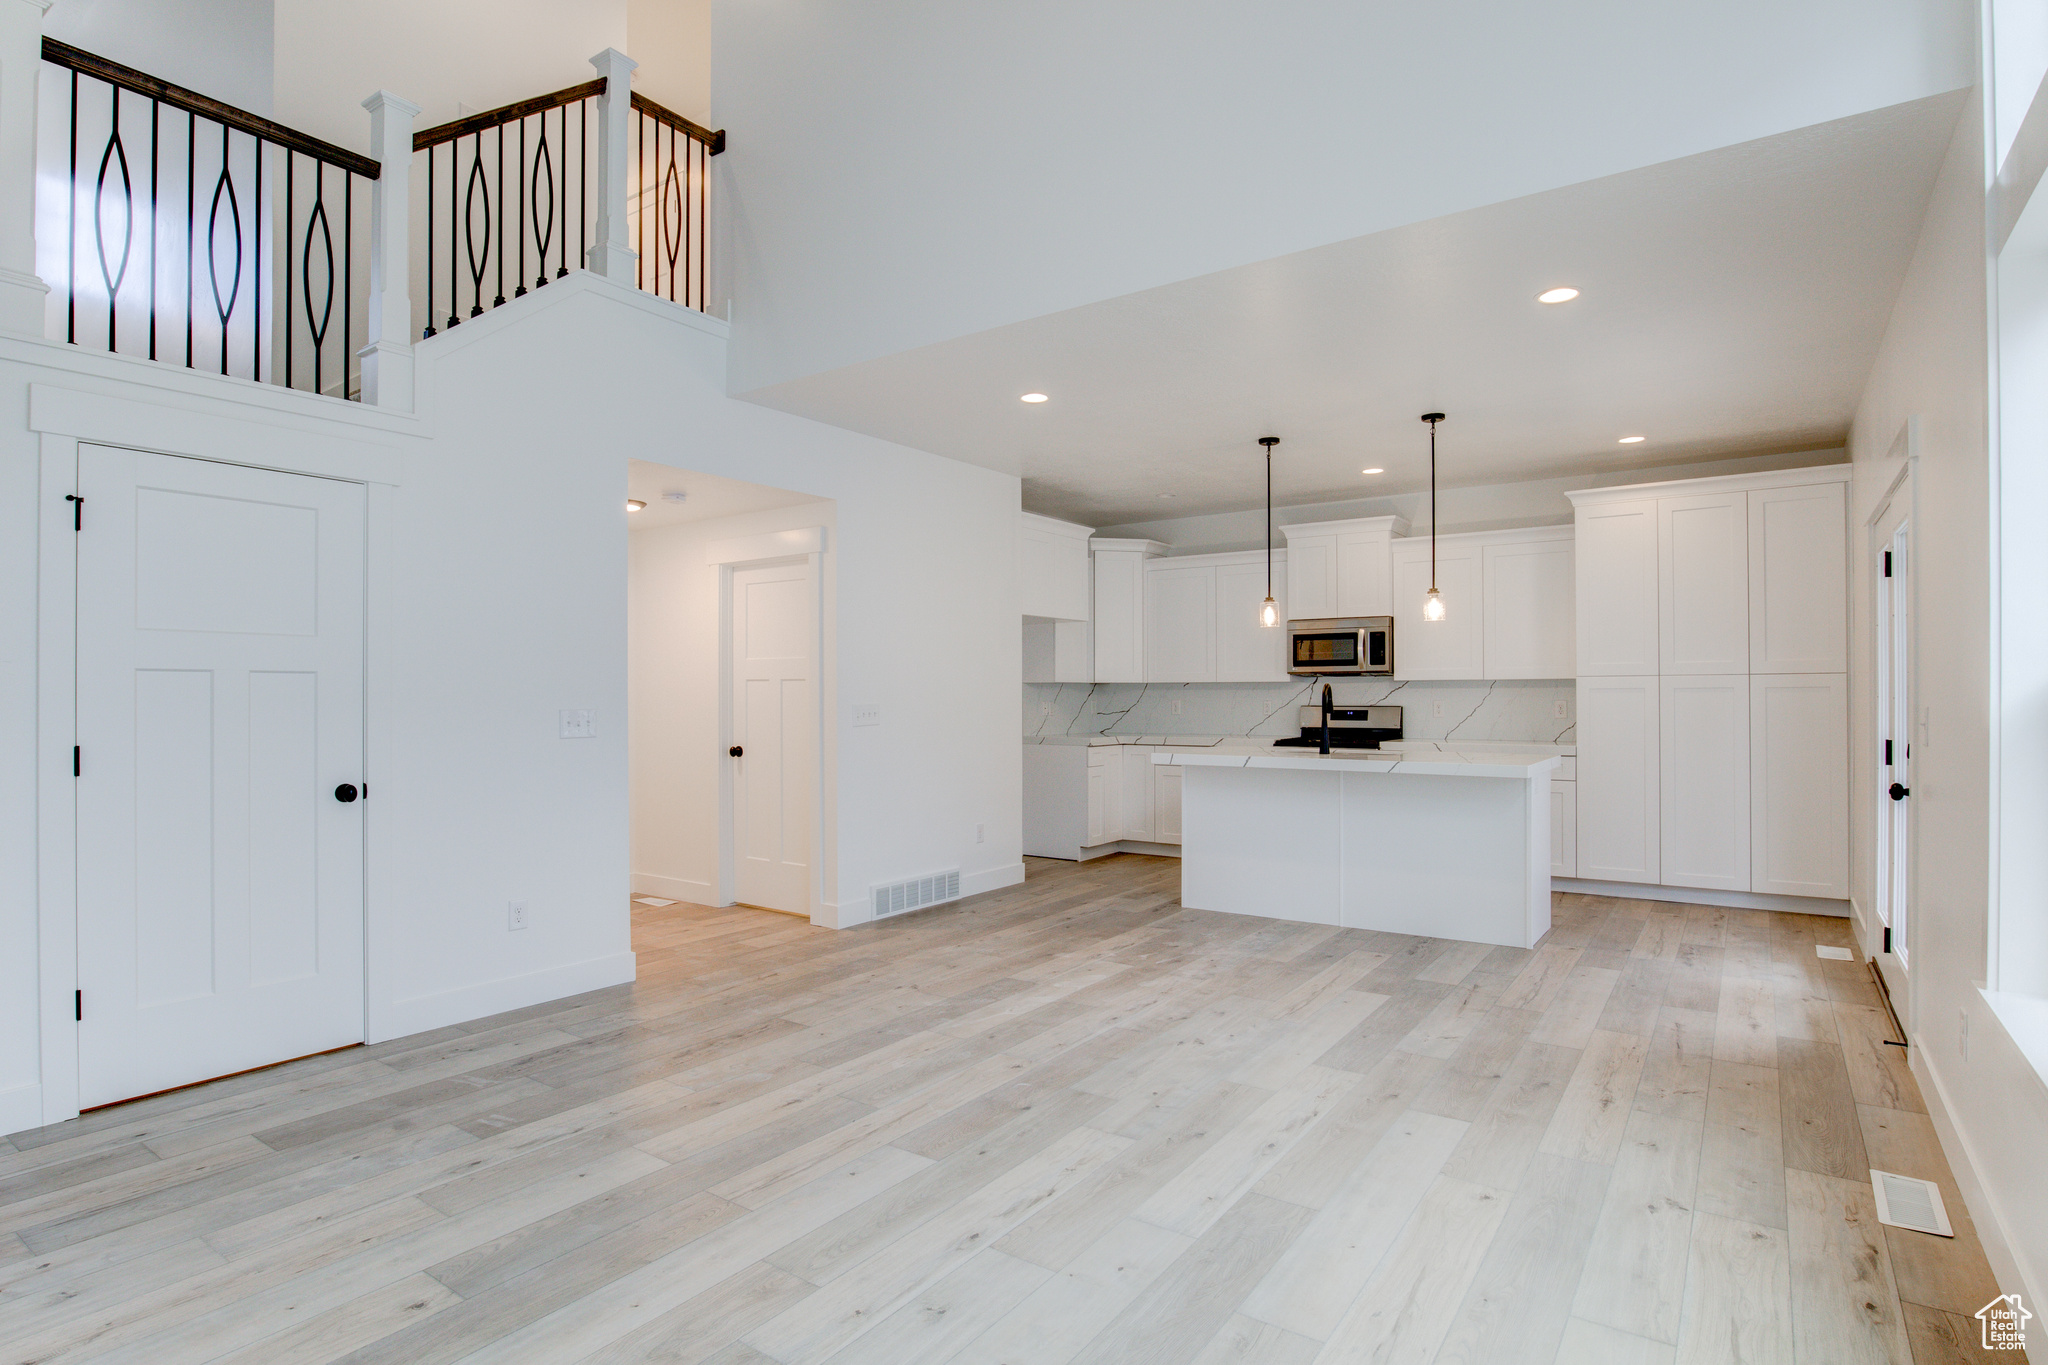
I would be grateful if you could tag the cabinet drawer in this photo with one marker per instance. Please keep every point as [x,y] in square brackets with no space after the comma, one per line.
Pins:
[1099,754]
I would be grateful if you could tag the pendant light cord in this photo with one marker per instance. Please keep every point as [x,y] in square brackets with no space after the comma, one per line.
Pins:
[1432,506]
[1269,521]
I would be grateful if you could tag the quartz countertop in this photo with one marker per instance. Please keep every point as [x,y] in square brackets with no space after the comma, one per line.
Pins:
[1463,753]
[1479,760]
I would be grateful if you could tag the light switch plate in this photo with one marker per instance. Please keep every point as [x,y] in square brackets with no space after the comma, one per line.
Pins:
[578,725]
[1558,710]
[867,713]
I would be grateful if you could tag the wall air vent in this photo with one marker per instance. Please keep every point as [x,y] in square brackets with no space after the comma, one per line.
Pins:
[1905,1202]
[917,893]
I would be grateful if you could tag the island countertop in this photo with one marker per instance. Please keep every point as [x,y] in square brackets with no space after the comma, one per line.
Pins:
[1478,761]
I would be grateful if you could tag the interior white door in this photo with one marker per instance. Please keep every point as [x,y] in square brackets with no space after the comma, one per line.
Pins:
[1892,571]
[774,729]
[220,713]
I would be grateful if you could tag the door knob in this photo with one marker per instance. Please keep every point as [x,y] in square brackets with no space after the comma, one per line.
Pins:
[346,792]
[736,751]
[1900,793]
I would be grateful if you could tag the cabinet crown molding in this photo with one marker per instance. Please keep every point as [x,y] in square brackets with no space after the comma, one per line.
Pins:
[1393,526]
[1723,483]
[1144,547]
[1056,527]
[1217,559]
[1517,535]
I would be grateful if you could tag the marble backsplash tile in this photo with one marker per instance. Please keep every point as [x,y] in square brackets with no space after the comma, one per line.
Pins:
[1525,711]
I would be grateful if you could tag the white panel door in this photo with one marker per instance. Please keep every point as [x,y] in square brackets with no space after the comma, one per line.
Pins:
[1245,650]
[1312,563]
[1619,832]
[1798,585]
[1134,795]
[1180,624]
[1365,574]
[1530,630]
[774,727]
[1705,781]
[1615,544]
[1166,803]
[1450,648]
[1799,751]
[1703,583]
[1564,829]
[220,709]
[1119,616]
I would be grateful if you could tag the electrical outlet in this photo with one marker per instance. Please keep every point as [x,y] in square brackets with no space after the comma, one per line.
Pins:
[1963,1032]
[1174,709]
[1558,709]
[867,713]
[1436,709]
[980,833]
[515,915]
[578,725]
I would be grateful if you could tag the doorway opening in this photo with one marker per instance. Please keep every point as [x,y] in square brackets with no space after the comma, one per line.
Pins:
[729,679]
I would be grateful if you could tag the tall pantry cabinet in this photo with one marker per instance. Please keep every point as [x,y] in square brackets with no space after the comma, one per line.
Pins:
[1713,699]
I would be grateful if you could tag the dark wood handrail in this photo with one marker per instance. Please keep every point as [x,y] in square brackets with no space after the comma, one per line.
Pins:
[662,114]
[178,97]
[504,113]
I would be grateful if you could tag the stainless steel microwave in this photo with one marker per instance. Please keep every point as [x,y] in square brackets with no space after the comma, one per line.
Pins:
[1341,646]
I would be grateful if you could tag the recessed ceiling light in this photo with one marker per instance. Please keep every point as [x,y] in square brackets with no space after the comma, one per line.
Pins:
[1630,440]
[1034,398]
[1372,471]
[1562,294]
[634,504]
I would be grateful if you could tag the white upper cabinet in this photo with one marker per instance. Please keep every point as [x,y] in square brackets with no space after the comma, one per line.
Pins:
[1180,623]
[1704,772]
[1798,592]
[1703,583]
[1615,544]
[1452,647]
[1119,608]
[1527,591]
[1312,567]
[1052,568]
[1799,808]
[1342,568]
[1245,650]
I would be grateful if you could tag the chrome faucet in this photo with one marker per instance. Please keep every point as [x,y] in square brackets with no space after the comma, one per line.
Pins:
[1328,702]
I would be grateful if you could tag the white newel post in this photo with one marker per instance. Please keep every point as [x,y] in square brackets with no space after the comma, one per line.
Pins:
[387,360]
[21,58]
[613,257]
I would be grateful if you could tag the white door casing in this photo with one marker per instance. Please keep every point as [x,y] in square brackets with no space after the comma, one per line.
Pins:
[220,706]
[1892,572]
[774,708]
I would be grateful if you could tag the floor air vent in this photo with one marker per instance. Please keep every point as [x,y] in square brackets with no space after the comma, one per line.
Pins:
[917,893]
[1905,1202]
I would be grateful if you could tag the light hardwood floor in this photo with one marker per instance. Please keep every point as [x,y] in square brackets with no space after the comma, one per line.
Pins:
[1065,1122]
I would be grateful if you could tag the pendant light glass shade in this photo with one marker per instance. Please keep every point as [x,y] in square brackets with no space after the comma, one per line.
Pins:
[1433,606]
[1269,610]
[1432,601]
[1269,613]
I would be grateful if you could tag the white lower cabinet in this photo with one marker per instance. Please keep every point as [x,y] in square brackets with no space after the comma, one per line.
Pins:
[1165,803]
[1620,835]
[1564,828]
[1099,799]
[1799,808]
[1704,780]
[1136,778]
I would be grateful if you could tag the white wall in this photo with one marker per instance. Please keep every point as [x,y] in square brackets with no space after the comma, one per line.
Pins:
[674,622]
[220,48]
[904,173]
[1933,367]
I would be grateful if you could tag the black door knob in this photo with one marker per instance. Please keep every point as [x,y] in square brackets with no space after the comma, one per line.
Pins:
[736,751]
[1900,793]
[346,792]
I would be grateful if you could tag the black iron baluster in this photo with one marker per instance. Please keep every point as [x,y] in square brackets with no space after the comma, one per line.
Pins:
[640,180]
[562,267]
[317,330]
[155,107]
[477,267]
[71,248]
[519,212]
[115,154]
[348,271]
[673,197]
[256,277]
[703,226]
[225,185]
[583,184]
[191,217]
[454,161]
[289,159]
[543,228]
[499,301]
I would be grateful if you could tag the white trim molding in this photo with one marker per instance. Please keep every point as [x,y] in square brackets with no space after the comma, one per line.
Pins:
[769,545]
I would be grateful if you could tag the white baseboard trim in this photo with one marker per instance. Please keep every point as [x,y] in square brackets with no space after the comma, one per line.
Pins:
[401,1018]
[676,888]
[1698,895]
[991,879]
[21,1108]
[844,914]
[1992,1232]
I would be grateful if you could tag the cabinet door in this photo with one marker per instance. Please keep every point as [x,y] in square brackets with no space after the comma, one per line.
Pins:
[1034,571]
[1450,648]
[1619,833]
[1312,572]
[1365,575]
[1136,782]
[1798,580]
[1529,610]
[1098,805]
[1245,650]
[1119,617]
[1564,829]
[1705,772]
[1615,588]
[1799,795]
[1180,624]
[1703,583]
[1166,803]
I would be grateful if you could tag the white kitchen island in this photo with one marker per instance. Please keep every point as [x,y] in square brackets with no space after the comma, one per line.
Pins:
[1452,845]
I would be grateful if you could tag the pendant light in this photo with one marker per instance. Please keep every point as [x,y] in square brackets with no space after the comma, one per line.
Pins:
[1433,602]
[1269,610]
